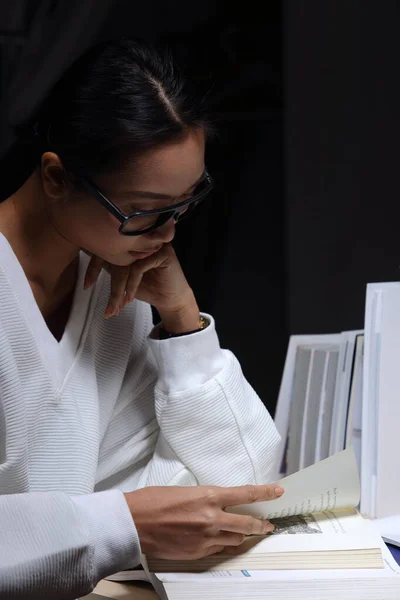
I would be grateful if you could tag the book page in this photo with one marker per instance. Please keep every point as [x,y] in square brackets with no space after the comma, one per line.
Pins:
[325,531]
[299,394]
[326,407]
[332,539]
[331,484]
[311,411]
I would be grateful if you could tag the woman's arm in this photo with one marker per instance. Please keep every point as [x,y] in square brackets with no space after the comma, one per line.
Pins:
[211,420]
[56,546]
[209,416]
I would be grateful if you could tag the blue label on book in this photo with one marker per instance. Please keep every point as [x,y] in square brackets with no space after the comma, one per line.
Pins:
[246,573]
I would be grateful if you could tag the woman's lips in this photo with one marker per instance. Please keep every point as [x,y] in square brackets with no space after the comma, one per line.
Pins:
[143,254]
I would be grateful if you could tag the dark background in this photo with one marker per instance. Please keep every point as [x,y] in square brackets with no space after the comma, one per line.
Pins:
[305,209]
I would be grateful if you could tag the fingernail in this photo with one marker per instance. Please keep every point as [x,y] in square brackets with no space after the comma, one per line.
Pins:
[269,527]
[278,491]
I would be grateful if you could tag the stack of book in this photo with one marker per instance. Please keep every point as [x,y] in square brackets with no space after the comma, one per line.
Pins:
[319,406]
[341,390]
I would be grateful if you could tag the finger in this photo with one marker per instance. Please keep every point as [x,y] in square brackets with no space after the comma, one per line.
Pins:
[248,494]
[93,271]
[227,539]
[119,278]
[132,284]
[213,550]
[245,525]
[137,271]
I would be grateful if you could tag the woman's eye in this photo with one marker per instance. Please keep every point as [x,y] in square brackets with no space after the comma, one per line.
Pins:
[132,209]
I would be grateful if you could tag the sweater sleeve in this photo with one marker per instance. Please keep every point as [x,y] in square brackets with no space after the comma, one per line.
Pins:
[56,546]
[210,418]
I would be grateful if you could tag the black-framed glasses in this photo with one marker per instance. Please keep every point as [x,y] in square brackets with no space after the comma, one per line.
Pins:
[144,221]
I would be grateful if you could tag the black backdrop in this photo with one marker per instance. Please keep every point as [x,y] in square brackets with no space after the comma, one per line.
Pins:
[342,155]
[265,259]
[232,249]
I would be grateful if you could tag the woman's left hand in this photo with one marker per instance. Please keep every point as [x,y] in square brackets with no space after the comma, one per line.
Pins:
[158,280]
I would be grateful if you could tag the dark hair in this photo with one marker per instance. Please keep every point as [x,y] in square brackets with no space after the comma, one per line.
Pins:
[116,101]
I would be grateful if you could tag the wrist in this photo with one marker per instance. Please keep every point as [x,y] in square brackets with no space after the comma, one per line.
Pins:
[181,319]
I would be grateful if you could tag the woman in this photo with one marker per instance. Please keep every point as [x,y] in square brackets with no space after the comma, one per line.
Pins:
[97,412]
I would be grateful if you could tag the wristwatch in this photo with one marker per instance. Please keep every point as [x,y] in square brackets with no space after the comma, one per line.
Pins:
[165,335]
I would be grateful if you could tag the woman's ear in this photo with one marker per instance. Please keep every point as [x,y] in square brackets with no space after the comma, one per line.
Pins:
[53,176]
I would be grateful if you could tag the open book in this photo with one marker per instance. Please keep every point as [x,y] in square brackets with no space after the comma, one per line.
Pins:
[317,526]
[323,584]
[321,548]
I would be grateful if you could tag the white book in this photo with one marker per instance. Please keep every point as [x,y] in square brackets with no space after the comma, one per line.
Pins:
[380,462]
[367,584]
[369,442]
[282,415]
[324,584]
[312,410]
[342,391]
[325,410]
[314,394]
[354,413]
[299,396]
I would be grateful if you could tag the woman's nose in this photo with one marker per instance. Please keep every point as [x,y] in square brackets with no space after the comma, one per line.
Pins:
[165,233]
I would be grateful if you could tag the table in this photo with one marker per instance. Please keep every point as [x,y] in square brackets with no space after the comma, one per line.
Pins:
[122,591]
[395,552]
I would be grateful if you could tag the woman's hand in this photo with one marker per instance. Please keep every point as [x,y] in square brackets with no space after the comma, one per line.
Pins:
[190,522]
[158,280]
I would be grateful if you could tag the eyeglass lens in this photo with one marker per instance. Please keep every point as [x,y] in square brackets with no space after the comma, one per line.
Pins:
[142,223]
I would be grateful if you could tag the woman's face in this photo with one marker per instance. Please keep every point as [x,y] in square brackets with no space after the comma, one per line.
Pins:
[158,179]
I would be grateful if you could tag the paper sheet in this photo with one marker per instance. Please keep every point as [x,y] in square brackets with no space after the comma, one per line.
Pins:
[326,531]
[330,484]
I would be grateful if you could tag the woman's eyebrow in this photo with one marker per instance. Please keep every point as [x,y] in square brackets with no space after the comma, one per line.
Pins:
[155,196]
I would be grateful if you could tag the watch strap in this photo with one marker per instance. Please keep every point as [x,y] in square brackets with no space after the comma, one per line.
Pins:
[165,335]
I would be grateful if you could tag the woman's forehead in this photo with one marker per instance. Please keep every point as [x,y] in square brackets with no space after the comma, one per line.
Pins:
[170,170]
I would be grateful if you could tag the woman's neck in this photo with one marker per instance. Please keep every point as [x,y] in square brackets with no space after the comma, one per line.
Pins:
[47,258]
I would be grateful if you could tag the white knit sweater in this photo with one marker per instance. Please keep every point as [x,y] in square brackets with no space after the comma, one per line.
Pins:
[106,410]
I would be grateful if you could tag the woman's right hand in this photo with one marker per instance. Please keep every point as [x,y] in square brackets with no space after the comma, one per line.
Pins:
[186,523]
